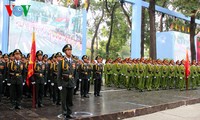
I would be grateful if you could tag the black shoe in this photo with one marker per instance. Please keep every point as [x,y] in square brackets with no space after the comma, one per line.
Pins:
[40,105]
[58,103]
[95,95]
[19,107]
[13,108]
[69,117]
[99,95]
[86,96]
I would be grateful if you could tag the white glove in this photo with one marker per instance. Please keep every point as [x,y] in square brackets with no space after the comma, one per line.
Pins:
[138,76]
[155,77]
[6,79]
[49,80]
[80,80]
[33,83]
[23,84]
[74,87]
[8,84]
[181,78]
[52,84]
[94,79]
[122,74]
[126,76]
[45,83]
[88,79]
[3,81]
[60,87]
[147,76]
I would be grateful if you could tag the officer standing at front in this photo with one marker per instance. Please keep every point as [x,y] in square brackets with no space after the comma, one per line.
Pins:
[66,81]
[84,76]
[15,79]
[39,78]
[97,75]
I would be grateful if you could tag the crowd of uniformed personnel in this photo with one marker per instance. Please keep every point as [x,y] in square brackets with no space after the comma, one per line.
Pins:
[147,74]
[57,77]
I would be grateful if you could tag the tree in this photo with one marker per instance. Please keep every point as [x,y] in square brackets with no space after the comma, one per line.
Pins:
[96,25]
[152,29]
[191,9]
[111,11]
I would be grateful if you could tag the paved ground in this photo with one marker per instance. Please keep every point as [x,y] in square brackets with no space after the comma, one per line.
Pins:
[113,101]
[190,112]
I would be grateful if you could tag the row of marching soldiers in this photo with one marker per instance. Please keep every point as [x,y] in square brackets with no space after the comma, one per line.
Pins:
[14,70]
[146,74]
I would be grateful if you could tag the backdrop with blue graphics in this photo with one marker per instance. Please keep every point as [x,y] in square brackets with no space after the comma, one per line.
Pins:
[54,27]
[173,45]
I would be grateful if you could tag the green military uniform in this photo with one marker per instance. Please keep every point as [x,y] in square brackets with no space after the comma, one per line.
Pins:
[134,68]
[16,80]
[66,81]
[129,76]
[171,70]
[164,79]
[198,75]
[108,72]
[141,76]
[157,76]
[149,76]
[192,79]
[181,77]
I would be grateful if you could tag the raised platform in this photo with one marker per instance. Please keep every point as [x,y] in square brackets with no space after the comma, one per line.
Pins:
[114,104]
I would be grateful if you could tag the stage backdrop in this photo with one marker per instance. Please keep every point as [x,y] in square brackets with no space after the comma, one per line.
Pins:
[54,26]
[1,21]
[173,45]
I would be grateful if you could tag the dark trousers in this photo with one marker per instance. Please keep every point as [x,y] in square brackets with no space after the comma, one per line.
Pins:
[56,93]
[6,89]
[0,89]
[16,94]
[84,87]
[88,87]
[97,86]
[39,93]
[66,95]
[48,88]
[77,86]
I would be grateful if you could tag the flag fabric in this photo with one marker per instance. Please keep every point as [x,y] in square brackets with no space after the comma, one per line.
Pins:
[187,69]
[31,60]
[187,65]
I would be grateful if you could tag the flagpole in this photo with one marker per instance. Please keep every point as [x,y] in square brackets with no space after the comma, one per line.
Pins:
[33,91]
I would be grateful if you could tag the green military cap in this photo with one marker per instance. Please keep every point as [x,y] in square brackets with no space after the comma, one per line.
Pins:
[58,54]
[39,52]
[45,56]
[28,55]
[85,57]
[10,54]
[17,51]
[67,47]
[5,55]
[23,56]
[75,57]
[98,56]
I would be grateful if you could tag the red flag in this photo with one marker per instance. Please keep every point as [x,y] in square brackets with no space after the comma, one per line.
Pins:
[31,60]
[187,65]
[187,69]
